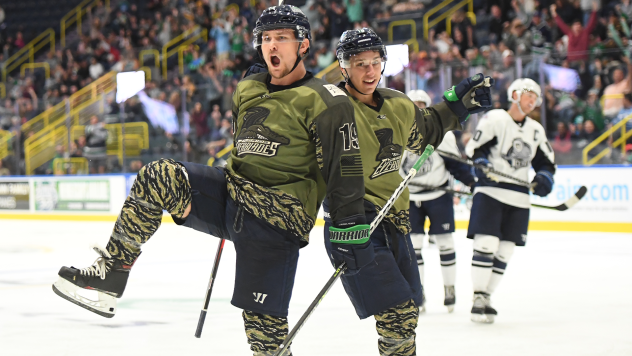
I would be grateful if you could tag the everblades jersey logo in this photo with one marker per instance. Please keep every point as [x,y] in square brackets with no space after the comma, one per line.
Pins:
[256,138]
[519,155]
[389,155]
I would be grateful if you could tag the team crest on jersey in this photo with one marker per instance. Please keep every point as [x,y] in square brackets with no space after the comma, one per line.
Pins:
[409,161]
[519,155]
[389,155]
[256,138]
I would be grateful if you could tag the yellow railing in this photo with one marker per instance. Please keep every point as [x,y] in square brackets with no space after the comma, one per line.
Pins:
[147,71]
[5,138]
[76,15]
[221,154]
[43,150]
[175,44]
[331,74]
[620,141]
[136,138]
[409,22]
[429,24]
[76,165]
[27,53]
[44,65]
[3,91]
[150,52]
[57,114]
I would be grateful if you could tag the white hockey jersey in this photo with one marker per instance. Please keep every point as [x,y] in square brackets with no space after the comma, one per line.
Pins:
[433,172]
[511,147]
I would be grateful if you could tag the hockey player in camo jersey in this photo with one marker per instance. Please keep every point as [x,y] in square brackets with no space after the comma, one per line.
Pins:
[387,122]
[510,142]
[290,152]
[435,204]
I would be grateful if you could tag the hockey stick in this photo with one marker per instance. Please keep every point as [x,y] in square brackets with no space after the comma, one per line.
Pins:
[207,299]
[483,168]
[562,207]
[284,347]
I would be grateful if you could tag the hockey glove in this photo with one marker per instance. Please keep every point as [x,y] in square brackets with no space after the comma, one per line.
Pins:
[542,183]
[480,173]
[353,246]
[256,68]
[470,96]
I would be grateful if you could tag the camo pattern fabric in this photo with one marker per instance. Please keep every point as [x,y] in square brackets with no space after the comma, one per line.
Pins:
[160,185]
[396,327]
[399,219]
[318,143]
[265,332]
[272,205]
[415,140]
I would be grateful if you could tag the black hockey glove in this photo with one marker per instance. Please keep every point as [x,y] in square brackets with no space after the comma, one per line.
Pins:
[353,246]
[470,96]
[256,68]
[481,173]
[542,183]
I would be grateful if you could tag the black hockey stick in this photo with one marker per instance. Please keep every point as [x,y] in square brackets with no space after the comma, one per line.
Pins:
[562,207]
[483,168]
[447,190]
[284,347]
[207,299]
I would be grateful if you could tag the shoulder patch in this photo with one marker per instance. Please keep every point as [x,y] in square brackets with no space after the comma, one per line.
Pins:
[334,90]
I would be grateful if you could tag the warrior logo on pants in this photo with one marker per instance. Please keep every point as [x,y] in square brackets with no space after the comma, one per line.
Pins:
[257,139]
[389,155]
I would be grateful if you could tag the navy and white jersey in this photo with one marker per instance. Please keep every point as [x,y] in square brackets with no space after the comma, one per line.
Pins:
[511,147]
[436,171]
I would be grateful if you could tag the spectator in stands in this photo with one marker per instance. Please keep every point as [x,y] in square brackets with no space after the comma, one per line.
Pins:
[199,121]
[464,25]
[562,142]
[338,19]
[591,109]
[496,24]
[96,69]
[96,141]
[625,112]
[354,10]
[621,85]
[590,132]
[578,36]
[518,39]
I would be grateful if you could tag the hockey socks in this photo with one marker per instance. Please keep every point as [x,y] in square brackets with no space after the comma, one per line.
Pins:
[160,185]
[396,327]
[265,332]
[482,261]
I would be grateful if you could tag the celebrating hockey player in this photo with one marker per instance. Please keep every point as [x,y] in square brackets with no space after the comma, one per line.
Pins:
[290,152]
[509,142]
[437,205]
[388,285]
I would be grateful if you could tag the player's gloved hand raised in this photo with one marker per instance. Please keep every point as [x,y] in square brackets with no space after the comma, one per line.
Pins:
[480,172]
[542,183]
[353,246]
[470,96]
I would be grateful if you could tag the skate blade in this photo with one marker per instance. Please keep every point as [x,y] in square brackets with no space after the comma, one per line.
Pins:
[105,306]
[481,318]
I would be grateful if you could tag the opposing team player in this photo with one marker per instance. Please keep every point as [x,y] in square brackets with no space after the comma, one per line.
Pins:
[290,152]
[437,205]
[388,285]
[510,142]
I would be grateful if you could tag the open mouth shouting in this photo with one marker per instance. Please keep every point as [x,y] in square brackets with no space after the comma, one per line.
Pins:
[275,61]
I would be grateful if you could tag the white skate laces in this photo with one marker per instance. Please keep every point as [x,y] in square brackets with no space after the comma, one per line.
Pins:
[101,266]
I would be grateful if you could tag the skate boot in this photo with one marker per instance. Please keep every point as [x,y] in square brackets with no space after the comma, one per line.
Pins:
[482,312]
[107,278]
[450,298]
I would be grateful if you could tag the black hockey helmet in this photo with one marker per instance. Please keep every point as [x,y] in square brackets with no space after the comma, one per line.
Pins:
[356,41]
[279,17]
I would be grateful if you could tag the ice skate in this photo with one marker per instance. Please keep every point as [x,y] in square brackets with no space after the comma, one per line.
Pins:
[450,298]
[105,279]
[482,312]
[422,308]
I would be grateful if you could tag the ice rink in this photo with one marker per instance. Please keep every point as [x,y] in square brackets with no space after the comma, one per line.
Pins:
[563,294]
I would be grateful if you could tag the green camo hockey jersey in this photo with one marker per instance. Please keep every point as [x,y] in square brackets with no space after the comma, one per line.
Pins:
[294,145]
[384,132]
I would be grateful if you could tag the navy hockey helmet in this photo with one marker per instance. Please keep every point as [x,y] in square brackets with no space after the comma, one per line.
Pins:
[353,42]
[280,17]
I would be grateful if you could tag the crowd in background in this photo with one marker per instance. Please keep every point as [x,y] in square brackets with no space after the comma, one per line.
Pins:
[507,38]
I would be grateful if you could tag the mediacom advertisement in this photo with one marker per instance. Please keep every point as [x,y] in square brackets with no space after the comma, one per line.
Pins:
[14,195]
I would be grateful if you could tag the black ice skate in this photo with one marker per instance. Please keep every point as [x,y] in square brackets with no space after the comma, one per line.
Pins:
[450,298]
[107,277]
[482,312]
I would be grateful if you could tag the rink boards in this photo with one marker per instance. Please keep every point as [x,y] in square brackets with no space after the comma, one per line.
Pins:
[606,207]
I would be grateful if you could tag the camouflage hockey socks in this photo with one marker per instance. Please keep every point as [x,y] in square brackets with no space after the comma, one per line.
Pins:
[265,332]
[396,327]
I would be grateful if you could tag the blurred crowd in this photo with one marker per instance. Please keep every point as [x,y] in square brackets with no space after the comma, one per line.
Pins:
[506,39]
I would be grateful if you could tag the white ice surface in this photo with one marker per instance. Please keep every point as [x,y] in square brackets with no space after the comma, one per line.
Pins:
[564,294]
